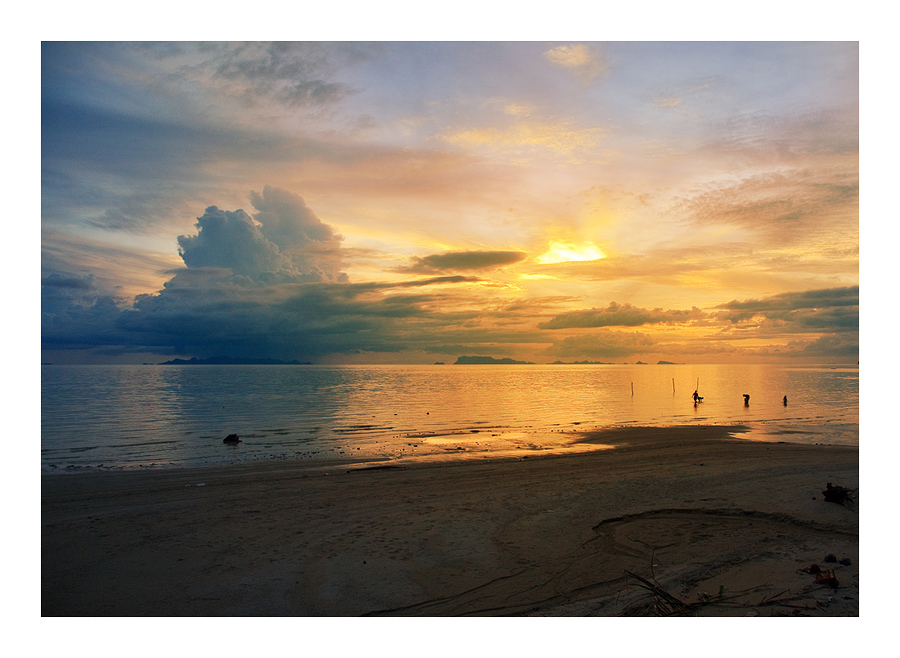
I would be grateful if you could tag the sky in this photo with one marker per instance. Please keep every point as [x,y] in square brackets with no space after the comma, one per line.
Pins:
[412,202]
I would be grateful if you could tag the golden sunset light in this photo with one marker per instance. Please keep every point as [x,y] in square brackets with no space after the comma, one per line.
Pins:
[563,252]
[345,327]
[532,181]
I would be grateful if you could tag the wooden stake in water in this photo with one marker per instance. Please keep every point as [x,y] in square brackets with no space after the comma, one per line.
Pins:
[673,386]
[632,389]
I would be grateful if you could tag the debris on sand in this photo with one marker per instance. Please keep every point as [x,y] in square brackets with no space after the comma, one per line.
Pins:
[660,602]
[836,494]
[826,577]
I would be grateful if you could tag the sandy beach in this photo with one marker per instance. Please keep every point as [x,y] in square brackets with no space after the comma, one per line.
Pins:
[691,520]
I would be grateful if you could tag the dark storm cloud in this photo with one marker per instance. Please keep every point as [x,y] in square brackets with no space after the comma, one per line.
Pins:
[68,282]
[455,261]
[621,315]
[253,287]
[61,291]
[287,321]
[75,312]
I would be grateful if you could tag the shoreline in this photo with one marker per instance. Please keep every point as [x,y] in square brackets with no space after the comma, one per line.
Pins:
[541,445]
[545,535]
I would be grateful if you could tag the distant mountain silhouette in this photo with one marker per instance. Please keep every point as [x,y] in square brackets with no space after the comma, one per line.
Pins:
[489,360]
[589,363]
[225,360]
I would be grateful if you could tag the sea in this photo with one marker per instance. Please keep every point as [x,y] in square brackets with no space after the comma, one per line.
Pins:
[174,416]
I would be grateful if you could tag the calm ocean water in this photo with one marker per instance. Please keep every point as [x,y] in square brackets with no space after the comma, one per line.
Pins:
[145,416]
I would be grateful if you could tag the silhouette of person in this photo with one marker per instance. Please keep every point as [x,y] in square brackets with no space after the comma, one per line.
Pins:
[746,400]
[697,397]
[785,400]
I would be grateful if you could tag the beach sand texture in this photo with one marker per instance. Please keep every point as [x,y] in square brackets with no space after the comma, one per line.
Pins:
[724,526]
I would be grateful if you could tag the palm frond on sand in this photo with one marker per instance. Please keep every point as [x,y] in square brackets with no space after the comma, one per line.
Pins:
[659,602]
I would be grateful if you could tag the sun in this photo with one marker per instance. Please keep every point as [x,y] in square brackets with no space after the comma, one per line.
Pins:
[564,252]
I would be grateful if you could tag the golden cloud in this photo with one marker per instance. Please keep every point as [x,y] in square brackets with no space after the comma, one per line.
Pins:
[580,59]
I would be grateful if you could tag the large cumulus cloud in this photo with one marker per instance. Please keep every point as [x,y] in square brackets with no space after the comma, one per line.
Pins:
[284,242]
[267,285]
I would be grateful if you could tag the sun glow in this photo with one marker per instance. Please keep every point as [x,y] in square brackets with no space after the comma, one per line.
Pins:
[564,252]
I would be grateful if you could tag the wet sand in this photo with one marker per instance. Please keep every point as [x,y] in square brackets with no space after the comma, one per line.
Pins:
[722,525]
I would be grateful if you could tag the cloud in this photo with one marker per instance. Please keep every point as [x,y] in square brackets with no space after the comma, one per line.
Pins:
[54,281]
[294,74]
[831,315]
[230,239]
[266,286]
[284,242]
[289,223]
[206,315]
[287,220]
[455,261]
[437,280]
[826,347]
[830,346]
[134,134]
[583,61]
[786,305]
[76,312]
[621,315]
[602,344]
[787,204]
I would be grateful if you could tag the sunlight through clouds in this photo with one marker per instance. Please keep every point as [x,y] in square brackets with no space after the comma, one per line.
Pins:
[336,200]
[564,252]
